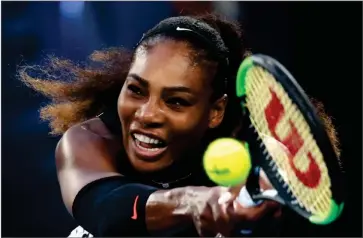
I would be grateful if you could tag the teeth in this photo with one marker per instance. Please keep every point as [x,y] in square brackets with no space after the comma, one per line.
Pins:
[146,139]
[148,149]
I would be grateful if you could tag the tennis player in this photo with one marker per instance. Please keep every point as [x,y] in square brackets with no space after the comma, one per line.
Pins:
[135,126]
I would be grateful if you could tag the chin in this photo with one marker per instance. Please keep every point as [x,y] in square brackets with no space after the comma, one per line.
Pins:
[148,166]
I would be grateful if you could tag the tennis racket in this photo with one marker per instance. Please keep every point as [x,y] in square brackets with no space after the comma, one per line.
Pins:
[304,170]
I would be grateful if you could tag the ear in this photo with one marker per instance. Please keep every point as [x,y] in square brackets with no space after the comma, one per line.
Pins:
[216,113]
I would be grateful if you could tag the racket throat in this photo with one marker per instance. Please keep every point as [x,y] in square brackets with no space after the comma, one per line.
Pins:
[253,183]
[255,191]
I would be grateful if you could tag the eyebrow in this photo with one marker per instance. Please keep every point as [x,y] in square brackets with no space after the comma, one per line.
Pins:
[141,80]
[145,83]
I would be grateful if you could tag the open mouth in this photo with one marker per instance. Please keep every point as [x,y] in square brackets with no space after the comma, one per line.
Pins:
[148,147]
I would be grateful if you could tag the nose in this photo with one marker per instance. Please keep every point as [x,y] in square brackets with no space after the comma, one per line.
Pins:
[150,115]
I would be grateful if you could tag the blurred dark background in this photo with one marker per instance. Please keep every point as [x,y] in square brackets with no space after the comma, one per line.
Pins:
[319,42]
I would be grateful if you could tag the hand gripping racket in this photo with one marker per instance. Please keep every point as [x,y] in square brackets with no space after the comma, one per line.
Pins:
[305,171]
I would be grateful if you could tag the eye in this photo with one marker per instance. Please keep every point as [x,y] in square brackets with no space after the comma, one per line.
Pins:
[135,90]
[178,102]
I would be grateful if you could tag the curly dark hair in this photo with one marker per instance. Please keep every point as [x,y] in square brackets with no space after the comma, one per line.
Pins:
[79,92]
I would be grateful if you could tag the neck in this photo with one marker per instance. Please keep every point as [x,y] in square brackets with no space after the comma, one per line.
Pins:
[188,164]
[178,170]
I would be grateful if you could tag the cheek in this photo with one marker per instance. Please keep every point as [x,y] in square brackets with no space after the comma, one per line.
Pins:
[125,109]
[193,123]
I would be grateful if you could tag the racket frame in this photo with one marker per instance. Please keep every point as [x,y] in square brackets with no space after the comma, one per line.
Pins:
[317,129]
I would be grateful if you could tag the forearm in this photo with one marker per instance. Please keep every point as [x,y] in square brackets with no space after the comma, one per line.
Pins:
[119,207]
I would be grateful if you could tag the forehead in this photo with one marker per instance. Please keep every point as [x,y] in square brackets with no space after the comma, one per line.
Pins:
[169,64]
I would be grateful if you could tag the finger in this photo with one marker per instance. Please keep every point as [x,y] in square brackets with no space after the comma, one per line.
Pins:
[208,227]
[208,233]
[218,203]
[225,198]
[198,225]
[278,213]
[254,213]
[222,219]
[265,183]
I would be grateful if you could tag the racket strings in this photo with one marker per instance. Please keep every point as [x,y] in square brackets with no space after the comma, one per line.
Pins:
[315,200]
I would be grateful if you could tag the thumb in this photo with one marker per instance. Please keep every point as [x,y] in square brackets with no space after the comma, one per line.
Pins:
[230,194]
[226,198]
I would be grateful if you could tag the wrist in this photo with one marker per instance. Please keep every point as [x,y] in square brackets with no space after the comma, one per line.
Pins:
[166,209]
[184,203]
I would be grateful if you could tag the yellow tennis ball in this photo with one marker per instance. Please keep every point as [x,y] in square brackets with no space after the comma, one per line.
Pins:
[227,162]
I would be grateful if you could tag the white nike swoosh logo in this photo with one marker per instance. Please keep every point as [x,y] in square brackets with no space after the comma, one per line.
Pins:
[182,29]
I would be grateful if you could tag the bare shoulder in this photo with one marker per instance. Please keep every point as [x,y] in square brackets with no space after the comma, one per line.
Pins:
[93,129]
[97,127]
[85,153]
[89,137]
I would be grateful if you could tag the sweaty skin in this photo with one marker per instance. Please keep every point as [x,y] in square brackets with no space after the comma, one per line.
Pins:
[79,165]
[166,97]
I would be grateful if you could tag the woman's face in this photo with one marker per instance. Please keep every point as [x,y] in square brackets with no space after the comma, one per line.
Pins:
[164,106]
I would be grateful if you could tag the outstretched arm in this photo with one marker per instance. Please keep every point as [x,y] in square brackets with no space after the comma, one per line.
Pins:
[100,198]
[108,204]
